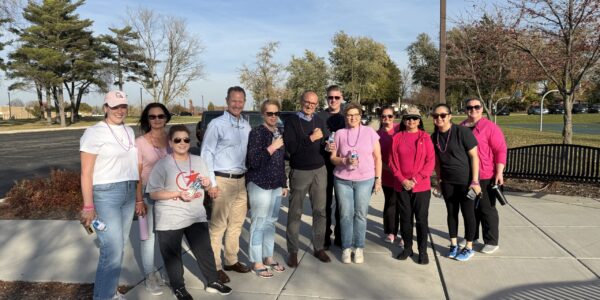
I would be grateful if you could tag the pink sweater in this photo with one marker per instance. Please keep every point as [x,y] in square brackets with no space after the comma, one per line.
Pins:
[385,141]
[412,161]
[491,147]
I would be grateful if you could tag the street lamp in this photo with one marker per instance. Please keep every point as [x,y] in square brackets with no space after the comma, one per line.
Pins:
[542,107]
[495,108]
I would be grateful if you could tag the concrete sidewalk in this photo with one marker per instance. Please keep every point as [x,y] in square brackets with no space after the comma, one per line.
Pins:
[550,249]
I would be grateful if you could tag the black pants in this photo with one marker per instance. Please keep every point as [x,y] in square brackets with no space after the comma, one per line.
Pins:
[169,242]
[456,199]
[486,214]
[391,211]
[329,196]
[414,205]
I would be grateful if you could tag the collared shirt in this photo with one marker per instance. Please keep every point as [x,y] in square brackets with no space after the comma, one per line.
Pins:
[225,144]
[492,148]
[304,117]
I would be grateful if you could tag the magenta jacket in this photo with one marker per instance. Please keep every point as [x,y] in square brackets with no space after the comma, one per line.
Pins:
[491,147]
[423,165]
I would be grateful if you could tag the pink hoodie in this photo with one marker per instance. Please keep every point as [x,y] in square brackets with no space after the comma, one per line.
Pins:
[422,166]
[491,147]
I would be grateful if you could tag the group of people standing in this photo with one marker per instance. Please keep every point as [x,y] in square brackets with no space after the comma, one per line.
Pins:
[241,168]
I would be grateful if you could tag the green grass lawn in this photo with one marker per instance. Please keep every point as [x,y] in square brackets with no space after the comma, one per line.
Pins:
[516,137]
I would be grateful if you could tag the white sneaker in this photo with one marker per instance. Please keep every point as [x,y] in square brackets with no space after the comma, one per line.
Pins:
[152,284]
[489,249]
[359,257]
[347,255]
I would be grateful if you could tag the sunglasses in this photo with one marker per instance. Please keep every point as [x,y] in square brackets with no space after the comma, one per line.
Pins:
[178,140]
[435,116]
[476,107]
[387,116]
[334,97]
[154,117]
[272,113]
[412,118]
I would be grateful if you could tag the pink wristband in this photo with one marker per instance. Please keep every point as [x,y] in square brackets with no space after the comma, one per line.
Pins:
[88,208]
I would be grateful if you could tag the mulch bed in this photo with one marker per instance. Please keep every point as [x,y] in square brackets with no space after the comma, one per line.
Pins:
[16,290]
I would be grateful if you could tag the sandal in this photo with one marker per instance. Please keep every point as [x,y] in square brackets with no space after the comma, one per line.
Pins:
[263,273]
[276,267]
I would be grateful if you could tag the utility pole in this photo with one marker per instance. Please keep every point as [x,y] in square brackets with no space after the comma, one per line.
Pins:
[9,109]
[141,105]
[442,51]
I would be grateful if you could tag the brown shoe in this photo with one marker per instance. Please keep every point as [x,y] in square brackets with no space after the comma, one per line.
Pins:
[223,278]
[238,267]
[293,260]
[322,256]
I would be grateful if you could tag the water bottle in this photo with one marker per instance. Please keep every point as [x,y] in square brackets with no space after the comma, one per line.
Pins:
[143,222]
[276,134]
[195,187]
[330,140]
[499,194]
[354,156]
[98,225]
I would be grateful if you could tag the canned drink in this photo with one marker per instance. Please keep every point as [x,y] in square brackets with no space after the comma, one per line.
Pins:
[98,225]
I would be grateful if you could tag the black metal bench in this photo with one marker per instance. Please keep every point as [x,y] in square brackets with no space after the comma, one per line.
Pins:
[554,162]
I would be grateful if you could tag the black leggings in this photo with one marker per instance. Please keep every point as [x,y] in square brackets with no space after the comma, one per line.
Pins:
[169,242]
[456,199]
[486,214]
[391,211]
[414,205]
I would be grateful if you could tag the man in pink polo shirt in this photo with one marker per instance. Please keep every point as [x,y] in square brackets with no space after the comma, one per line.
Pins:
[492,159]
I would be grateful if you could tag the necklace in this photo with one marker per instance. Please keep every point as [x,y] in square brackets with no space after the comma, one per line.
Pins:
[157,149]
[447,140]
[119,139]
[178,168]
[348,137]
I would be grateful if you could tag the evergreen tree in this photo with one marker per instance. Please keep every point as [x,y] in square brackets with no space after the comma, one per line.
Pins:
[125,56]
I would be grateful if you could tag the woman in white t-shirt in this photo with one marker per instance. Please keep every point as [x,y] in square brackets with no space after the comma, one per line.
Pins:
[177,184]
[109,176]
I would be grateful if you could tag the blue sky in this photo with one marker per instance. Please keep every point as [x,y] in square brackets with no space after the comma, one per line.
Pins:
[232,32]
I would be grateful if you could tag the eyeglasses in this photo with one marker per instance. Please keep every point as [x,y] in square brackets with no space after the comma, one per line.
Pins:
[272,113]
[178,140]
[412,118]
[435,116]
[387,116]
[334,97]
[154,117]
[476,107]
[352,115]
[311,103]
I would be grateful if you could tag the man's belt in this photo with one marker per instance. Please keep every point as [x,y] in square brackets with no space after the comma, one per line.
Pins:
[228,175]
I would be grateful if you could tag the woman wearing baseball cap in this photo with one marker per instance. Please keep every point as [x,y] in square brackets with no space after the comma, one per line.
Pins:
[109,175]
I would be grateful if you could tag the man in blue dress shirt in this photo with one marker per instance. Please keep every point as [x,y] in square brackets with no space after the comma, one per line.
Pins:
[224,150]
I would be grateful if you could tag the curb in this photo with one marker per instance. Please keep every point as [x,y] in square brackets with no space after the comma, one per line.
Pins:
[65,128]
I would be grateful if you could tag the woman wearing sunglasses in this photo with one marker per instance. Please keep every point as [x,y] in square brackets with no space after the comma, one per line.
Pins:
[357,174]
[266,183]
[109,176]
[391,209]
[492,159]
[412,162]
[457,169]
[152,146]
[177,183]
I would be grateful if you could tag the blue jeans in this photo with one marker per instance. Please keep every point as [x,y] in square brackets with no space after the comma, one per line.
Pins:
[354,206]
[264,212]
[147,247]
[115,205]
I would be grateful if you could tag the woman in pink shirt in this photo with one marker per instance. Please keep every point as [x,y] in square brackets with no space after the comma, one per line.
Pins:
[391,208]
[412,160]
[357,161]
[492,159]
[152,146]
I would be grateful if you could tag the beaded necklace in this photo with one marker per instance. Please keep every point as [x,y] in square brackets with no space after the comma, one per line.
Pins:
[120,140]
[447,140]
[178,168]
[348,137]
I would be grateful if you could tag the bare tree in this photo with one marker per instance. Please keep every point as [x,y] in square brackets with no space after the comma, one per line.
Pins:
[561,36]
[172,54]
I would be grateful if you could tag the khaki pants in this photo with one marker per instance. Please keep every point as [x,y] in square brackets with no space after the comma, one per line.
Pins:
[228,215]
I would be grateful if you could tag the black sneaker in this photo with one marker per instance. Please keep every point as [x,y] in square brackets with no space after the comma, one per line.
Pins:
[404,254]
[182,294]
[423,259]
[218,288]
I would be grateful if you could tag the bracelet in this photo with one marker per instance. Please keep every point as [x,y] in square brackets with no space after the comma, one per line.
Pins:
[87,208]
[137,202]
[474,182]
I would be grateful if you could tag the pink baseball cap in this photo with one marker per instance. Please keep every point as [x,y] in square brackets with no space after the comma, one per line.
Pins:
[115,98]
